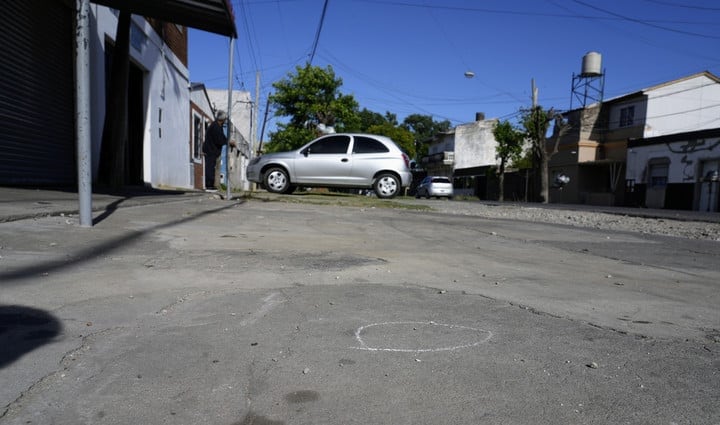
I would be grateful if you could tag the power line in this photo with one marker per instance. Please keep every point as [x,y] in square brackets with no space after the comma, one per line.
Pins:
[642,22]
[525,13]
[685,6]
[317,34]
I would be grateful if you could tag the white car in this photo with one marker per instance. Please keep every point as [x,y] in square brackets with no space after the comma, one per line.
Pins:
[343,160]
[437,186]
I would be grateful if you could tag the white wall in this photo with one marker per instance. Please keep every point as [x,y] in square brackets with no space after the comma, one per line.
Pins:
[685,159]
[166,148]
[475,144]
[241,114]
[687,105]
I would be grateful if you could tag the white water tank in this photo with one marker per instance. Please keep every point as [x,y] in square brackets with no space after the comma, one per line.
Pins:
[591,64]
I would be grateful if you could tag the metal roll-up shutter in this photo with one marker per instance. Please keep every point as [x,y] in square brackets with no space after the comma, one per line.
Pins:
[37,90]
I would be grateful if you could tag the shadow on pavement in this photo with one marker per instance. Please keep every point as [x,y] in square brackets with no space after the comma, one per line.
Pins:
[91,252]
[23,329]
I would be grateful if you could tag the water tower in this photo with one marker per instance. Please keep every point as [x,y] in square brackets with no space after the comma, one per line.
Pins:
[590,84]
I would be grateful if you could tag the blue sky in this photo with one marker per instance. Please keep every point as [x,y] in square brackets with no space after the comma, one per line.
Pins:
[410,56]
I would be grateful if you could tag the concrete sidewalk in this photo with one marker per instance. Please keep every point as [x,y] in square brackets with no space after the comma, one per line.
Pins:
[24,203]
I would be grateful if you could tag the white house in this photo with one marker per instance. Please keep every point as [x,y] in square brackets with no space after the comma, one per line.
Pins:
[158,102]
[677,171]
[464,153]
[594,153]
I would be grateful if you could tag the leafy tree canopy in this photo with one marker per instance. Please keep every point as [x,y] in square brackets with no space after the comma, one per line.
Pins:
[404,138]
[288,138]
[310,97]
[509,142]
[368,118]
[424,127]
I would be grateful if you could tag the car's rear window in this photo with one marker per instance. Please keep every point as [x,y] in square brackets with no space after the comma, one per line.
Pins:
[440,180]
[367,145]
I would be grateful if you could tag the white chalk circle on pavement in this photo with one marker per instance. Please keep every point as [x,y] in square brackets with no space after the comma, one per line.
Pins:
[418,337]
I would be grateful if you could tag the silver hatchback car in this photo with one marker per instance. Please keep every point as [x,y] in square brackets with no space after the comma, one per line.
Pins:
[343,160]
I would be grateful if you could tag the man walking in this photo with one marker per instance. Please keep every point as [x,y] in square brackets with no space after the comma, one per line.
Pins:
[212,148]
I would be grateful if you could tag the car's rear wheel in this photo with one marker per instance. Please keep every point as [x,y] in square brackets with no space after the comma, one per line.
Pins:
[386,185]
[276,180]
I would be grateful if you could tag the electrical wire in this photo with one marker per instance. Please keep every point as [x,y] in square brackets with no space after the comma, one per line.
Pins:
[524,13]
[685,6]
[646,23]
[319,30]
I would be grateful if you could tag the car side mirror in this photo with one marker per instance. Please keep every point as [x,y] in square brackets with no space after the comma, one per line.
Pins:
[305,152]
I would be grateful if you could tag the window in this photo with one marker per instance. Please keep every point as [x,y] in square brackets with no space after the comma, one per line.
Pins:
[658,172]
[368,145]
[627,115]
[197,135]
[330,145]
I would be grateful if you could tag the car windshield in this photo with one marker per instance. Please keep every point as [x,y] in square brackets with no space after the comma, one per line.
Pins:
[440,180]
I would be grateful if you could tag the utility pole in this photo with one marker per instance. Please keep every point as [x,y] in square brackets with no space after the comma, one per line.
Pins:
[534,93]
[262,132]
[253,136]
[229,121]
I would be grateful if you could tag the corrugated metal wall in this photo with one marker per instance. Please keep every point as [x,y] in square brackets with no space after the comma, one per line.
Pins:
[37,142]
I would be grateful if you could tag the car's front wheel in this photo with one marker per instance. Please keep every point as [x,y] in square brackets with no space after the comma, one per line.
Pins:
[386,186]
[276,180]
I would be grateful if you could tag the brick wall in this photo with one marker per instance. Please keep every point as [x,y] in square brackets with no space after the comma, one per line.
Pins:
[175,36]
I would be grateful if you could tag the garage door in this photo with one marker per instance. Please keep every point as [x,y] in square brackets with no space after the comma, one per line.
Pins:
[37,93]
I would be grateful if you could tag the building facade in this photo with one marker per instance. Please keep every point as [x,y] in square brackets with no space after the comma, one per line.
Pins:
[676,171]
[594,152]
[465,154]
[37,104]
[158,99]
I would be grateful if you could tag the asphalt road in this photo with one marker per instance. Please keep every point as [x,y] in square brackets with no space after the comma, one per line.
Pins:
[209,312]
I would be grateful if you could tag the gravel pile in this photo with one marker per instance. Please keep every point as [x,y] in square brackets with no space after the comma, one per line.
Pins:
[579,218]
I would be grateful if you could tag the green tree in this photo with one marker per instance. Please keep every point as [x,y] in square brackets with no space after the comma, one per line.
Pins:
[423,128]
[368,118]
[404,138]
[309,97]
[509,149]
[536,122]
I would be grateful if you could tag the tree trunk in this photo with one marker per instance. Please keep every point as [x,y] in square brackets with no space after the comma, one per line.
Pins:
[501,180]
[114,138]
[544,185]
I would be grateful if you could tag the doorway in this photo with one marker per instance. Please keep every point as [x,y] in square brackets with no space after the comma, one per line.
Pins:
[136,123]
[132,161]
[709,186]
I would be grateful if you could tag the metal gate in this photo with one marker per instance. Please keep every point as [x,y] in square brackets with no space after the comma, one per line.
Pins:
[37,124]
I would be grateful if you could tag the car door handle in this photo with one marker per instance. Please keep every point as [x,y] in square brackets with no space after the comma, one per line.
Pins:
[344,160]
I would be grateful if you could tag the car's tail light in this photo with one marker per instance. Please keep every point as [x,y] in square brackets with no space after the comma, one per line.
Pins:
[406,159]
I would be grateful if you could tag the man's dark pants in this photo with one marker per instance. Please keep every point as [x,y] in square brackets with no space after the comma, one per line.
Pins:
[210,161]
